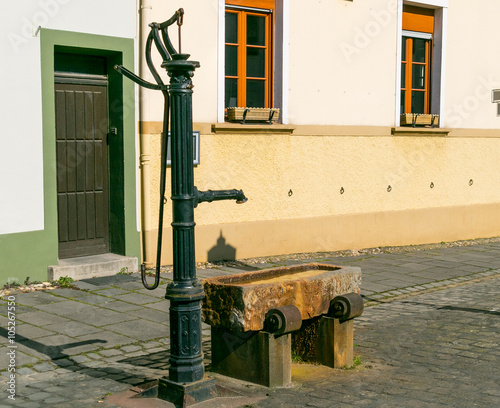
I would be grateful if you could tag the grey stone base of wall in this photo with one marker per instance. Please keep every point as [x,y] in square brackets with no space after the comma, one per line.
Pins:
[92,266]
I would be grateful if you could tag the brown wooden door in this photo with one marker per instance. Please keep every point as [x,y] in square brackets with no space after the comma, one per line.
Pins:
[82,169]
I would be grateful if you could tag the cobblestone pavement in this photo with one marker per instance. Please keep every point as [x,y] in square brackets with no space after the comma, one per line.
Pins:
[429,338]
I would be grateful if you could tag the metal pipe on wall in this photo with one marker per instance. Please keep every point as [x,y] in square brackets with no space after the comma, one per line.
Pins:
[145,150]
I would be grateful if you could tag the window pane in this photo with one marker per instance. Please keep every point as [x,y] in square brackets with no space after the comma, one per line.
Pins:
[256,30]
[231,61]
[231,96]
[417,102]
[256,93]
[231,28]
[418,76]
[403,95]
[403,52]
[403,75]
[256,62]
[419,50]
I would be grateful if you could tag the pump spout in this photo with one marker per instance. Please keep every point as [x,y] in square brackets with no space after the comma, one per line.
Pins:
[211,195]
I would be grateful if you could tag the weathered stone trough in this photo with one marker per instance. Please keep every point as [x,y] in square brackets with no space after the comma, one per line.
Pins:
[245,310]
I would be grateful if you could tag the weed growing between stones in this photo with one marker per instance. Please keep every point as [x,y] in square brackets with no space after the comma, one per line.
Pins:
[64,282]
[356,362]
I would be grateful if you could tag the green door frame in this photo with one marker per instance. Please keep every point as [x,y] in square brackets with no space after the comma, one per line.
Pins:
[124,234]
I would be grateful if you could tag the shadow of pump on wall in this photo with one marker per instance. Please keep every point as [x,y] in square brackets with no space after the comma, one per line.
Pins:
[221,251]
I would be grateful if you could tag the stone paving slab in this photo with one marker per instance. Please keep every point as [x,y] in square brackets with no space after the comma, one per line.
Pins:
[159,292]
[39,317]
[163,305]
[137,298]
[120,306]
[73,328]
[111,291]
[139,329]
[159,316]
[70,293]
[107,339]
[32,332]
[69,307]
[97,299]
[37,298]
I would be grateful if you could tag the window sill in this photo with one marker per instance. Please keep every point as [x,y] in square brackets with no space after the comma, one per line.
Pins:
[237,128]
[415,131]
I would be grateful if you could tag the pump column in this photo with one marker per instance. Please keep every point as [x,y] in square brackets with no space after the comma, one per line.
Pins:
[186,372]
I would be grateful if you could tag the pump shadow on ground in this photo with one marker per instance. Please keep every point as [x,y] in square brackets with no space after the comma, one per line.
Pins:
[51,351]
[130,376]
[457,308]
[62,360]
[117,279]
[160,359]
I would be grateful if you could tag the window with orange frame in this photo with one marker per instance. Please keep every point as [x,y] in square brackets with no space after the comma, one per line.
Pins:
[249,53]
[418,26]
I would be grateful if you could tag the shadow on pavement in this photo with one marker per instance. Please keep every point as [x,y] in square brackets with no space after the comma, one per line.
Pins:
[461,309]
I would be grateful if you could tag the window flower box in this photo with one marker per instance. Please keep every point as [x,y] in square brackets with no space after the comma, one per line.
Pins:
[419,119]
[243,115]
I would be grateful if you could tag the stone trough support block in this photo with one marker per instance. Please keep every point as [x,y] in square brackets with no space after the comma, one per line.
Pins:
[325,340]
[335,342]
[258,357]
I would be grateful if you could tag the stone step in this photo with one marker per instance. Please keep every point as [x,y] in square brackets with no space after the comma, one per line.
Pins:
[92,266]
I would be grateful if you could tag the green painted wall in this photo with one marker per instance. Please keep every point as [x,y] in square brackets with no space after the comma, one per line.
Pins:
[29,253]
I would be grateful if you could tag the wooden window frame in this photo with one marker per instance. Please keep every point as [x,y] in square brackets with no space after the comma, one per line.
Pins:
[418,23]
[243,9]
[409,63]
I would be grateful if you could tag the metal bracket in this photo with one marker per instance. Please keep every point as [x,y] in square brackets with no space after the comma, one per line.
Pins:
[245,115]
[271,114]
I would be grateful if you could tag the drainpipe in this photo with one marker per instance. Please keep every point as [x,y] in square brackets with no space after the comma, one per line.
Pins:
[145,154]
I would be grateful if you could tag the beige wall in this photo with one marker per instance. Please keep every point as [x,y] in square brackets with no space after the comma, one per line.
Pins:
[315,162]
[343,62]
[357,231]
[316,166]
[472,64]
[199,39]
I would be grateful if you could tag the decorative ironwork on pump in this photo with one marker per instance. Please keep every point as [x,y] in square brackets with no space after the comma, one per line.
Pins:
[168,53]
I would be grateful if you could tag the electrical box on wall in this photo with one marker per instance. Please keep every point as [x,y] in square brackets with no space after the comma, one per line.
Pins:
[495,95]
[495,98]
[196,148]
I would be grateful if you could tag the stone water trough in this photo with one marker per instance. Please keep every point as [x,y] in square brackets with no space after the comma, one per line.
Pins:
[238,307]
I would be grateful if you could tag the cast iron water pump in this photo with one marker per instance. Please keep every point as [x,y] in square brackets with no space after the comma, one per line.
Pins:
[186,372]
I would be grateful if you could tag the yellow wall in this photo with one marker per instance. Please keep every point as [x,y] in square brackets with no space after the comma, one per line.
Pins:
[315,162]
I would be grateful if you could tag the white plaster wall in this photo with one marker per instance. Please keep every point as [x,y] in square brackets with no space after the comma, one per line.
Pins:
[199,39]
[343,62]
[473,64]
[21,155]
